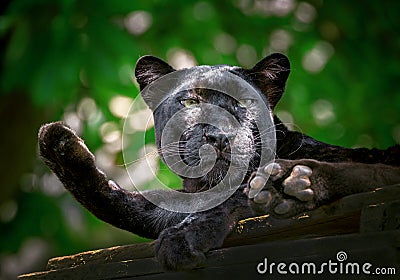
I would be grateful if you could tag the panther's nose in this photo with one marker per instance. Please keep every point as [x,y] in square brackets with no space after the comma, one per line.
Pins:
[221,142]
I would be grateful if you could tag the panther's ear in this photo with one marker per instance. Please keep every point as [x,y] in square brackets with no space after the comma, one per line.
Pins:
[270,75]
[149,68]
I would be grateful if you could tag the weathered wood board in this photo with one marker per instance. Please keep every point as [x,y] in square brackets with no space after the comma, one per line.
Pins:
[365,226]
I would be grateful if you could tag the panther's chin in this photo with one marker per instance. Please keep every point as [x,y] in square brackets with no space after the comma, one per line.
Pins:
[221,169]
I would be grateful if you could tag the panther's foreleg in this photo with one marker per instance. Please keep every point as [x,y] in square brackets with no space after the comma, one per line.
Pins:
[69,158]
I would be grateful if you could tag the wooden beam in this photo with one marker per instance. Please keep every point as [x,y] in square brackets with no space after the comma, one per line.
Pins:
[344,220]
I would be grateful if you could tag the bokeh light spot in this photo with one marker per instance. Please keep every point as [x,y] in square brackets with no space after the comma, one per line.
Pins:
[280,40]
[139,171]
[225,43]
[286,118]
[141,120]
[8,211]
[246,55]
[87,109]
[138,22]
[110,132]
[396,134]
[323,113]
[51,185]
[72,119]
[203,11]
[305,12]
[180,58]
[314,61]
[119,105]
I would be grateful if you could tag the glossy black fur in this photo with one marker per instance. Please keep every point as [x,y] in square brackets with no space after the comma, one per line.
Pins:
[184,238]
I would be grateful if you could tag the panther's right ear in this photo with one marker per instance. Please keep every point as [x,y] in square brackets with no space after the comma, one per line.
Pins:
[149,68]
[270,75]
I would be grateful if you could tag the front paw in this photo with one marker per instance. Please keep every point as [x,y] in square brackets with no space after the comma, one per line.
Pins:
[61,148]
[175,252]
[285,188]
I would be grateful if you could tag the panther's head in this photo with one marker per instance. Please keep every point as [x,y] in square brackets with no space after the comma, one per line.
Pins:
[222,106]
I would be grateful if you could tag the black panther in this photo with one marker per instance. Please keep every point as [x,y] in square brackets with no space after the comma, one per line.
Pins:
[306,173]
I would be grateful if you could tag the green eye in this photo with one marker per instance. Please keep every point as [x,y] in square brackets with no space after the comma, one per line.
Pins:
[190,102]
[246,102]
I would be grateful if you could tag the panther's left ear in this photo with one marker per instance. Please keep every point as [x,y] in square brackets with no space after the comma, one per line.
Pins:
[270,75]
[149,68]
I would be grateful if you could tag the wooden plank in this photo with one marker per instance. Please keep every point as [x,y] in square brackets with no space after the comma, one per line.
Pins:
[260,230]
[381,216]
[341,217]
[359,248]
[113,254]
[249,231]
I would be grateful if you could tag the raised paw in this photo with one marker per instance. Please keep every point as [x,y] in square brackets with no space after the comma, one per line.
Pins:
[283,187]
[62,149]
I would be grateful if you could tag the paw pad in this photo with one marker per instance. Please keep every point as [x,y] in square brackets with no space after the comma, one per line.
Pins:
[256,184]
[273,169]
[298,183]
[282,207]
[264,197]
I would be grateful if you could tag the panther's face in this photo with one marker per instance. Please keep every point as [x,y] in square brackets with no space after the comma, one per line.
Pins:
[209,136]
[215,129]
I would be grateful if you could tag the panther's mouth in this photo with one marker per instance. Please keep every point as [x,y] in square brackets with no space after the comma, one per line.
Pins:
[222,159]
[224,156]
[222,162]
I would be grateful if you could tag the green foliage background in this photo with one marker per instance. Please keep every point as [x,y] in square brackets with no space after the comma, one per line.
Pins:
[344,88]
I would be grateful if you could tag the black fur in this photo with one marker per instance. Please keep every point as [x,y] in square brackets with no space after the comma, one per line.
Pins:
[184,238]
